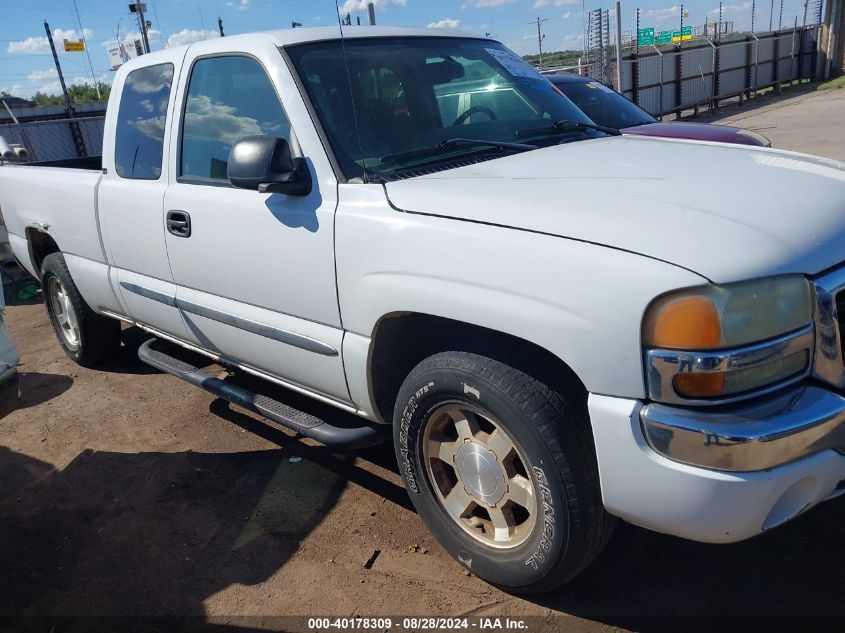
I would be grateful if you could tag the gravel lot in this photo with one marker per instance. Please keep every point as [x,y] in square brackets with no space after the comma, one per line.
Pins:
[124,491]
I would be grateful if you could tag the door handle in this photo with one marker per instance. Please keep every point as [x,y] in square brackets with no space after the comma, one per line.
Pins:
[178,223]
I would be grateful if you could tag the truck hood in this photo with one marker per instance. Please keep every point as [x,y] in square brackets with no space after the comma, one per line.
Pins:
[726,212]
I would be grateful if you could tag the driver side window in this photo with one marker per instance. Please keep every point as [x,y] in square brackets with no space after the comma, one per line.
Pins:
[228,98]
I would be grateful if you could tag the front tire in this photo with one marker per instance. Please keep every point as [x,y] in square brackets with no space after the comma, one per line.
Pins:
[502,471]
[85,336]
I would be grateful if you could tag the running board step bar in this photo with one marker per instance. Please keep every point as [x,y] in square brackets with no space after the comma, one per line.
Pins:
[293,419]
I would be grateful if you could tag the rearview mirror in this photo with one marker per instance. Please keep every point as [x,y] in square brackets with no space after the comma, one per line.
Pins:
[264,163]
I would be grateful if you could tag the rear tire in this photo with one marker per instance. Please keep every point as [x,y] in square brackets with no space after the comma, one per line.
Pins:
[85,336]
[502,470]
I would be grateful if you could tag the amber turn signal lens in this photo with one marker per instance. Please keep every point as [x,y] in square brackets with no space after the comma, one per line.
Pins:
[699,385]
[685,323]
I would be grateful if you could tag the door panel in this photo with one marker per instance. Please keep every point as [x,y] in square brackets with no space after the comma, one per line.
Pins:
[152,302]
[255,277]
[131,197]
[267,250]
[305,353]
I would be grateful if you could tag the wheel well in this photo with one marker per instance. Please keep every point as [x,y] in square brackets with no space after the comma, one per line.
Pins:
[40,245]
[402,340]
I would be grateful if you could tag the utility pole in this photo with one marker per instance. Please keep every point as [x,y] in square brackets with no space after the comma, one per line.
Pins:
[540,36]
[771,14]
[682,20]
[371,12]
[220,26]
[618,46]
[88,53]
[75,131]
[68,104]
[139,8]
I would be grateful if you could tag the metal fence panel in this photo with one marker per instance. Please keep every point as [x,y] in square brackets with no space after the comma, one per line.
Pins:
[731,82]
[745,62]
[52,140]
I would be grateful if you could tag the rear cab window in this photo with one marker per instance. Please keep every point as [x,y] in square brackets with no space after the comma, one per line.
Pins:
[141,121]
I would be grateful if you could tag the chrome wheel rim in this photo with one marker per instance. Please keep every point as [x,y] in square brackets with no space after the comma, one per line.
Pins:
[63,312]
[479,476]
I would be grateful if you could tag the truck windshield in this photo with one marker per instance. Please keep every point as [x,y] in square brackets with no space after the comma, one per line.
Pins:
[403,95]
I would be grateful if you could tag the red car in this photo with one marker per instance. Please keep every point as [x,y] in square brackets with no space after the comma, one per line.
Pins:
[609,108]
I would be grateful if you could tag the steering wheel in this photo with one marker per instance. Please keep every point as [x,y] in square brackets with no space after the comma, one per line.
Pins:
[474,110]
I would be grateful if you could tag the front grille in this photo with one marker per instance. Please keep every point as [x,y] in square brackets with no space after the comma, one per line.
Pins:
[840,319]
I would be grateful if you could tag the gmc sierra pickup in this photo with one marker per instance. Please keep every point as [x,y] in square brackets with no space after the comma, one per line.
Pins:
[561,326]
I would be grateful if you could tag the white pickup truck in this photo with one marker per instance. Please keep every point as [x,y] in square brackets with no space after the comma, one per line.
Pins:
[561,326]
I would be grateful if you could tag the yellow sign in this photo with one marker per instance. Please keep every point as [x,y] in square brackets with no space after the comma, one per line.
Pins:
[74,47]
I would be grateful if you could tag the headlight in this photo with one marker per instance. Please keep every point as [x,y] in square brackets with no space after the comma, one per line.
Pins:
[716,342]
[713,317]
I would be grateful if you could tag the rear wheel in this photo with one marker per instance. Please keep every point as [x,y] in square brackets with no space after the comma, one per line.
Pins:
[86,337]
[502,471]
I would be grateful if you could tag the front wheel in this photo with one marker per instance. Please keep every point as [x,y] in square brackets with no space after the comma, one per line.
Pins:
[501,470]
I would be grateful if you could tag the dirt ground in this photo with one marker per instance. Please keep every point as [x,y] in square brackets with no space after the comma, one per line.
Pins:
[127,492]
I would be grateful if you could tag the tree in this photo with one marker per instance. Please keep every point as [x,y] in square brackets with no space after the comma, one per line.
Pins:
[79,93]
[555,58]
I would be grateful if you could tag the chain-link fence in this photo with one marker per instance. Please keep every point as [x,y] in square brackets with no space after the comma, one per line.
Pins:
[58,139]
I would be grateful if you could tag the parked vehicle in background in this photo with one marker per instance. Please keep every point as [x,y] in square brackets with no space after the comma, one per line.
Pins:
[557,325]
[607,107]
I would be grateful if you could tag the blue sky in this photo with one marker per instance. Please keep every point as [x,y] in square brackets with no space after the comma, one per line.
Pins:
[26,64]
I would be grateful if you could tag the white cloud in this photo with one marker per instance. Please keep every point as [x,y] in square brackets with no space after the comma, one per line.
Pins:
[539,4]
[105,78]
[492,3]
[53,88]
[43,75]
[241,5]
[566,15]
[361,5]
[732,8]
[15,90]
[187,36]
[660,15]
[565,3]
[447,23]
[569,40]
[130,38]
[41,45]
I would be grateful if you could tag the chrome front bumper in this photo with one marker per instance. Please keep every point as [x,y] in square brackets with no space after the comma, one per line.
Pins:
[754,435]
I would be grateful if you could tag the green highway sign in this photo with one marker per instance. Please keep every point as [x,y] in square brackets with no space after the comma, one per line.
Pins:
[683,35]
[645,37]
[664,37]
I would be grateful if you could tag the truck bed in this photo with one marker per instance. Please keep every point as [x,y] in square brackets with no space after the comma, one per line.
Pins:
[62,199]
[94,163]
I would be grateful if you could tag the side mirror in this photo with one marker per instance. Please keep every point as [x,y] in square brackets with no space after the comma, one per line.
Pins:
[264,163]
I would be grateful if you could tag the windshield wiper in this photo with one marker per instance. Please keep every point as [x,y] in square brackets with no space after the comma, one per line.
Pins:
[451,143]
[568,126]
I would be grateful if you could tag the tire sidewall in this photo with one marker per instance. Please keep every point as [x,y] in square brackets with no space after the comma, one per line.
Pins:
[539,554]
[53,269]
